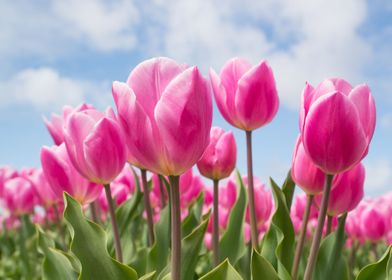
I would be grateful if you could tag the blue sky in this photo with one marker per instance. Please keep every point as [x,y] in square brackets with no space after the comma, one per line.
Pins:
[54,53]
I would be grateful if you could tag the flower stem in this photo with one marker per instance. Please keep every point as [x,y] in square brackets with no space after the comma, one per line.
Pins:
[147,206]
[93,211]
[113,219]
[301,238]
[215,230]
[252,209]
[319,230]
[162,191]
[329,225]
[175,228]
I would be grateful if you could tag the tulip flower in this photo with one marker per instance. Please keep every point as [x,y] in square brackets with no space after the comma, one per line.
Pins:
[43,189]
[247,98]
[55,126]
[6,173]
[217,162]
[63,177]
[374,225]
[169,105]
[337,123]
[19,196]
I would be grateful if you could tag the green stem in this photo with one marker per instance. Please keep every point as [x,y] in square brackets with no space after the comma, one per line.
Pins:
[252,209]
[175,228]
[215,230]
[319,230]
[93,211]
[329,225]
[162,191]
[23,250]
[301,238]
[147,206]
[113,219]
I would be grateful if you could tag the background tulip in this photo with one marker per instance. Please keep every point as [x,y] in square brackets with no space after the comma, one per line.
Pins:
[219,158]
[42,188]
[246,96]
[169,105]
[337,123]
[95,145]
[19,196]
[63,177]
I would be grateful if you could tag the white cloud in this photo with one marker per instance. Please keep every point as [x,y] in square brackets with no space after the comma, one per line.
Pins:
[45,88]
[378,175]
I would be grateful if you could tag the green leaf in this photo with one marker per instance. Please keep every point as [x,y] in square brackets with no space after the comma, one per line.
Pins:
[232,245]
[379,270]
[288,189]
[55,265]
[148,276]
[330,260]
[158,255]
[191,245]
[261,268]
[278,243]
[89,246]
[224,271]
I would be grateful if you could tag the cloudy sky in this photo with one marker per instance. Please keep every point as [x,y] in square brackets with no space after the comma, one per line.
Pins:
[64,52]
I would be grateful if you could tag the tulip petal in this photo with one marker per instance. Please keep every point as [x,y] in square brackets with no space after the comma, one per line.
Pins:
[184,117]
[333,136]
[306,99]
[256,98]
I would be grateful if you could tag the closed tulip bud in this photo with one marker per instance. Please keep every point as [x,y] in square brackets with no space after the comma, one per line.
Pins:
[95,145]
[374,224]
[42,188]
[337,124]
[63,177]
[169,106]
[6,173]
[219,158]
[246,95]
[19,196]
[304,172]
[347,191]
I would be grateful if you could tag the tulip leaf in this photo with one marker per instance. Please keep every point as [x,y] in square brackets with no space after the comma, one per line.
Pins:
[191,245]
[288,189]
[261,268]
[232,242]
[224,271]
[194,217]
[278,243]
[330,261]
[378,271]
[55,264]
[89,246]
[158,255]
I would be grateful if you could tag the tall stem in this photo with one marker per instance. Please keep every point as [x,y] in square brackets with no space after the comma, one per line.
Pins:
[93,211]
[147,206]
[175,228]
[252,209]
[162,191]
[319,230]
[301,238]
[215,230]
[113,219]
[329,225]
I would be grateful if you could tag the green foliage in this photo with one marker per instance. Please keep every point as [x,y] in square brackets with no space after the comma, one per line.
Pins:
[224,271]
[261,268]
[380,270]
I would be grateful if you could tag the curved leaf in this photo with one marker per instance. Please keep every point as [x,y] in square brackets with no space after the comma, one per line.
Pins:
[379,270]
[278,243]
[224,271]
[330,260]
[261,268]
[89,246]
[55,265]
[232,245]
[288,189]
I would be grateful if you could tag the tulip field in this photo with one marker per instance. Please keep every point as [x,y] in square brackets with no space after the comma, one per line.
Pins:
[149,189]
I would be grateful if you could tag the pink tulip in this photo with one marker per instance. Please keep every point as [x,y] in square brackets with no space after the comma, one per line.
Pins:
[304,173]
[219,158]
[63,177]
[6,173]
[374,225]
[56,125]
[337,124]
[42,188]
[347,191]
[19,196]
[297,212]
[95,145]
[246,96]
[166,113]
[127,178]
